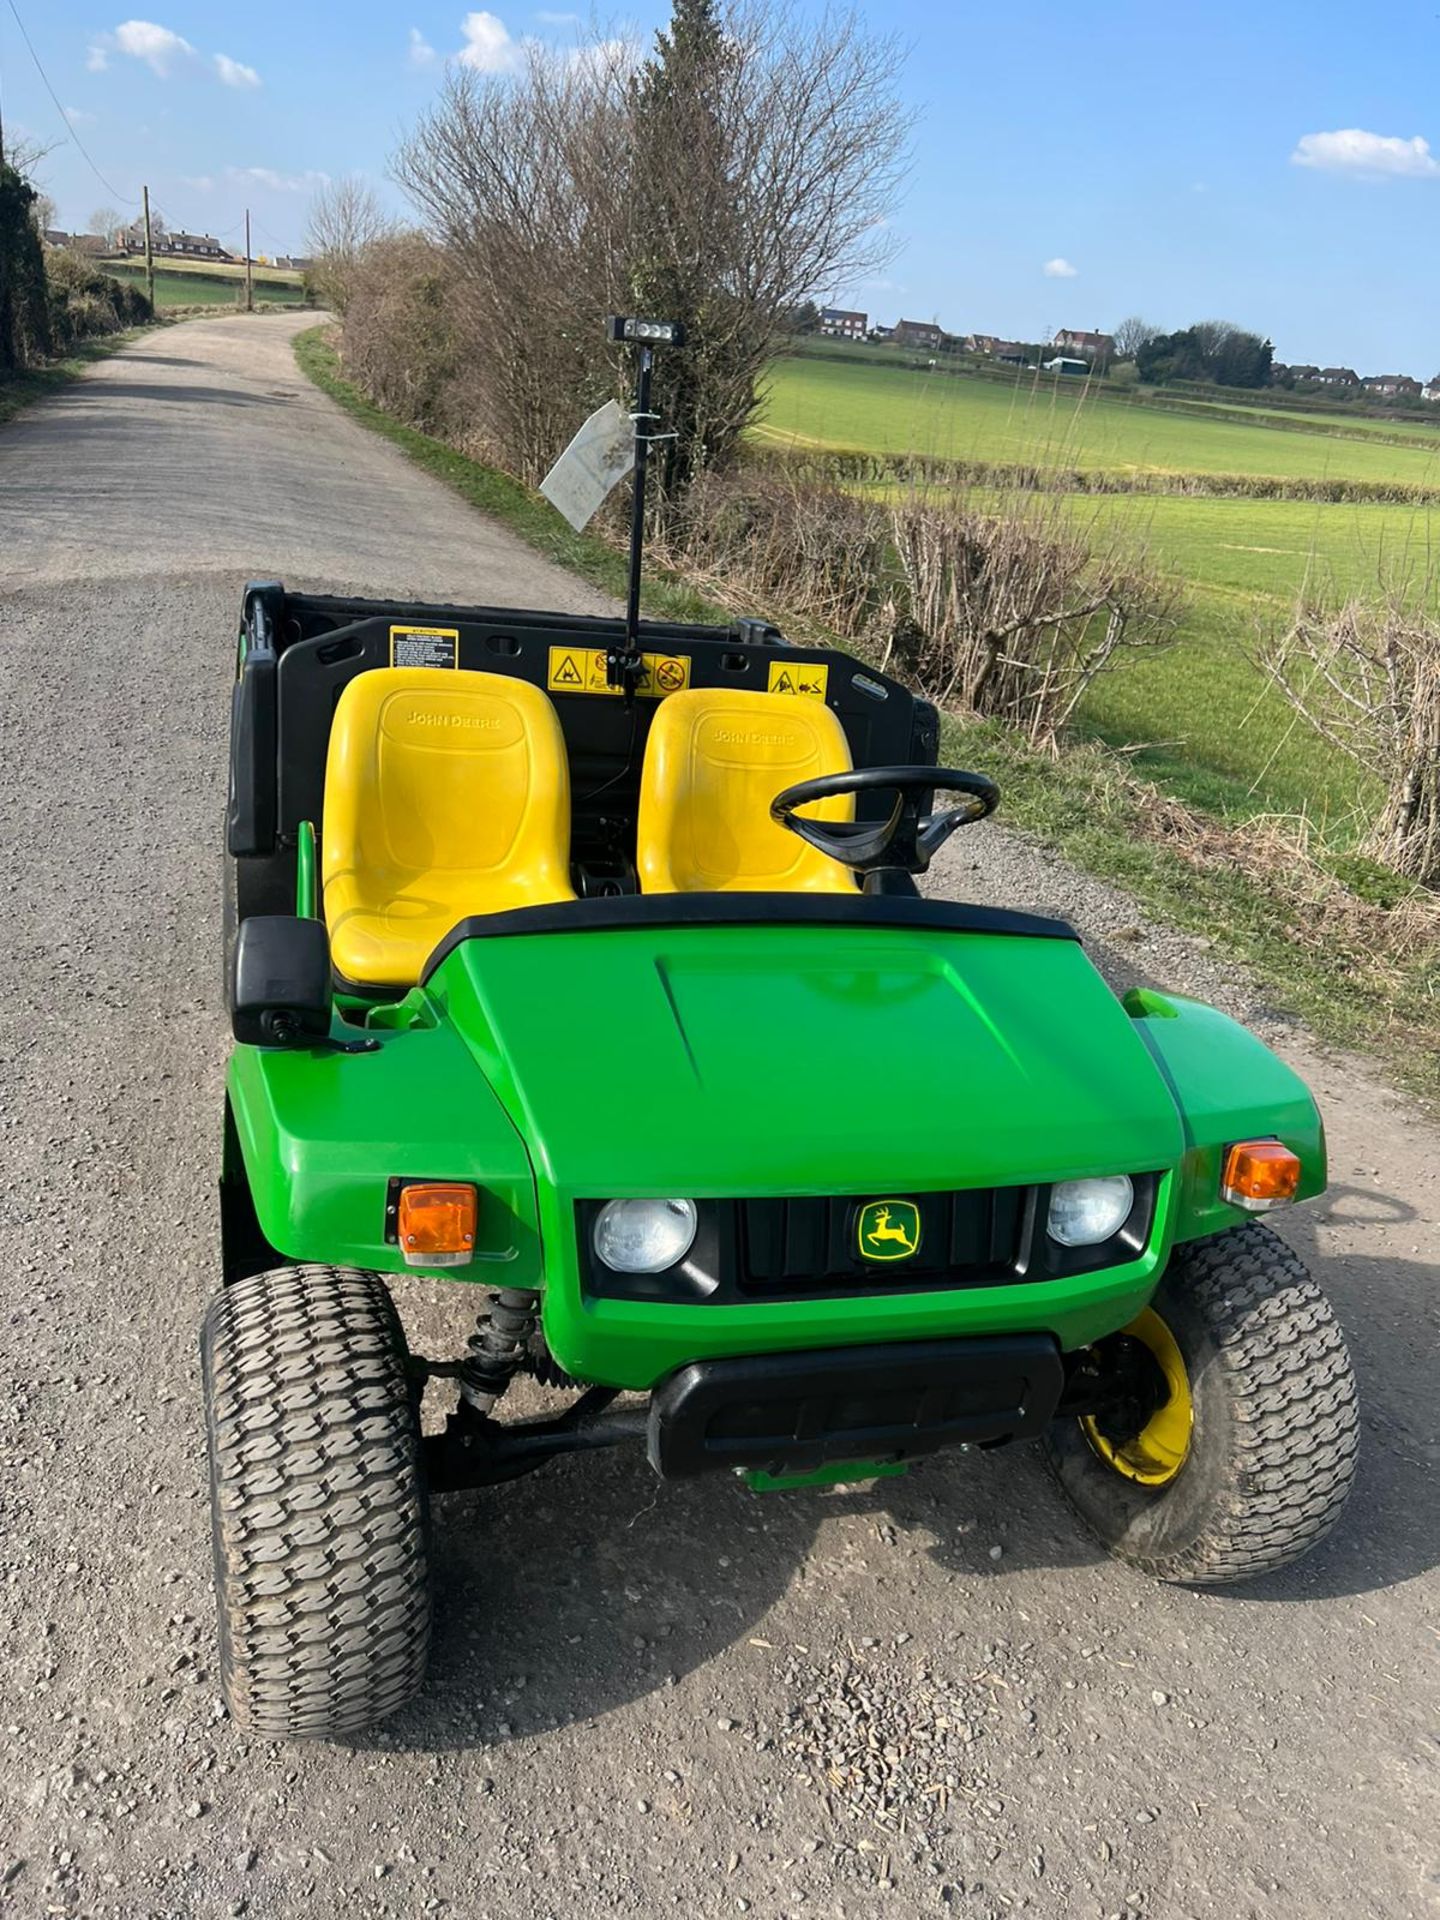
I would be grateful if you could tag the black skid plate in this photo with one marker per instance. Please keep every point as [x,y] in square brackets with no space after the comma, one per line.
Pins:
[793,1412]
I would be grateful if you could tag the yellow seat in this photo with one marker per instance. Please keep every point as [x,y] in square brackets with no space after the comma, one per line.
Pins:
[714,761]
[446,793]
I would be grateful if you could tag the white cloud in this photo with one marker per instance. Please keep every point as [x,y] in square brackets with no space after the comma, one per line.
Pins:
[1352,151]
[165,52]
[1060,270]
[160,49]
[234,72]
[78,117]
[278,182]
[489,47]
[198,182]
[422,54]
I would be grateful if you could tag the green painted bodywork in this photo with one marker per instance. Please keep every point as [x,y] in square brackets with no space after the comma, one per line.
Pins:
[305,897]
[751,1061]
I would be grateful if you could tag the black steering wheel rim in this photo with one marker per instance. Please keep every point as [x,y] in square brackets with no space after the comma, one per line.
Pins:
[907,840]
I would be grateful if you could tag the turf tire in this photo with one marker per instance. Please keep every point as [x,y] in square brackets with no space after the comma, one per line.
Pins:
[1276,1425]
[317,1501]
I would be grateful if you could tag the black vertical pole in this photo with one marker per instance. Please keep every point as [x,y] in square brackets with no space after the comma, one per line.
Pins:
[643,425]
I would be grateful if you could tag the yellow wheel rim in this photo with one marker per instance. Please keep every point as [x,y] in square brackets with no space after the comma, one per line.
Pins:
[1154,1456]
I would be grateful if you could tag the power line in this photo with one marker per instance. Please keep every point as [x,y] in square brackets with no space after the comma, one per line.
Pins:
[113,191]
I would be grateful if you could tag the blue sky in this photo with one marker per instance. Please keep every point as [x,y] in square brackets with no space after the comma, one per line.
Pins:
[1267,163]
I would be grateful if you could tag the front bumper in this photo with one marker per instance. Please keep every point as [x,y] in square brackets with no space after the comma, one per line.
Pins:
[794,1413]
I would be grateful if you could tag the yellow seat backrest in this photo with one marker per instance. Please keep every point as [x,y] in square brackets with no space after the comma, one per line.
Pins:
[714,761]
[446,793]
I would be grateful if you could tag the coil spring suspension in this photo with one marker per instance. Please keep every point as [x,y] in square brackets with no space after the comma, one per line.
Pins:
[495,1352]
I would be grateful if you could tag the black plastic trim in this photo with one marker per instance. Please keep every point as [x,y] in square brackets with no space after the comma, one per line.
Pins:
[664,911]
[793,1412]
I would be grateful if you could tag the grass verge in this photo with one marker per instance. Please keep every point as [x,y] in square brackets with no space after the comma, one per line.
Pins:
[35,382]
[1314,947]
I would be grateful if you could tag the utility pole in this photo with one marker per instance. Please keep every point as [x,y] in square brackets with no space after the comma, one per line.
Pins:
[249,277]
[149,250]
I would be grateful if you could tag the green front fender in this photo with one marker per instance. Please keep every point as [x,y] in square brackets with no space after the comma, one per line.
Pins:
[322,1135]
[1227,1086]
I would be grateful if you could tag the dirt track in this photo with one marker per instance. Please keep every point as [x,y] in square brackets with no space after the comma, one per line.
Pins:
[636,1690]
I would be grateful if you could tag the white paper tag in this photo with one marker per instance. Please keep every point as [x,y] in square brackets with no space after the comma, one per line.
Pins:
[595,462]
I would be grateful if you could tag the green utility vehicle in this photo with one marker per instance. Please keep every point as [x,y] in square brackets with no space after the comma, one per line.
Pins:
[582,960]
[596,978]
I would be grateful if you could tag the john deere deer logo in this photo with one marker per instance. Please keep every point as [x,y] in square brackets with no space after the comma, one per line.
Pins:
[889,1230]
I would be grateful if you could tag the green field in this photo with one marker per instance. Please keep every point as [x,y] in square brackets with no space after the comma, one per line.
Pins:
[1200,717]
[1039,421]
[218,288]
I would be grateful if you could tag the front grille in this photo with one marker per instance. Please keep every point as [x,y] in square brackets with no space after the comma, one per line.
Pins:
[977,1236]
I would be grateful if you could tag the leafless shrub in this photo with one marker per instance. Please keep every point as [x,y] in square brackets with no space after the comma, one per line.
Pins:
[401,345]
[1367,678]
[766,539]
[346,220]
[1011,612]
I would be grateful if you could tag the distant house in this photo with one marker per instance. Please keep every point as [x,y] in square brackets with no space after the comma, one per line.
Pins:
[1065,363]
[1093,346]
[920,333]
[198,246]
[986,343]
[882,334]
[1011,352]
[294,262]
[1337,377]
[1299,374]
[838,324]
[1393,386]
[1432,392]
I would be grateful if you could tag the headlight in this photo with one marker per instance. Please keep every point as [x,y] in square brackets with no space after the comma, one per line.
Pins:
[1085,1212]
[644,1236]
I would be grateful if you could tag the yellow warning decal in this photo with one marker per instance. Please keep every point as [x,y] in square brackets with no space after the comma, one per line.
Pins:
[795,676]
[582,670]
[424,646]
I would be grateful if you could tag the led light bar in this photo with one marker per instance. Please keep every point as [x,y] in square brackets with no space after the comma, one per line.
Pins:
[645,333]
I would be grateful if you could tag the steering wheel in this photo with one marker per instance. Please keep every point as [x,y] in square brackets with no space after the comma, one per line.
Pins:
[906,841]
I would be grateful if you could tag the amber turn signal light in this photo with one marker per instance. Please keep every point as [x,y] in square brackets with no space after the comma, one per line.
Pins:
[436,1223]
[1260,1174]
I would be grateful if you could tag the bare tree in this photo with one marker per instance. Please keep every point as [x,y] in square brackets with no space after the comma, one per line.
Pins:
[44,213]
[745,168]
[104,223]
[1131,335]
[345,219]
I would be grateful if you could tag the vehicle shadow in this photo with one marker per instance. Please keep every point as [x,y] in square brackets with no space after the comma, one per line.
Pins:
[591,1585]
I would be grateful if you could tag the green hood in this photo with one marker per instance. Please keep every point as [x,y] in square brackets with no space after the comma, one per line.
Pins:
[754,1060]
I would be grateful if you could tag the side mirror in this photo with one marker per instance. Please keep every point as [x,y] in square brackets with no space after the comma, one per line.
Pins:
[280,991]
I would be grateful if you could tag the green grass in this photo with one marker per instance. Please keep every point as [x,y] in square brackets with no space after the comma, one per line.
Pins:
[1209,726]
[1199,718]
[203,290]
[1043,422]
[21,388]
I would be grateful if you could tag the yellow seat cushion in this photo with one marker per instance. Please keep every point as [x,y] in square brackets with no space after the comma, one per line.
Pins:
[714,761]
[446,793]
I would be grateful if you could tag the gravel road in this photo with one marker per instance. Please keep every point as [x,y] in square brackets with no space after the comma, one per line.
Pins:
[642,1698]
